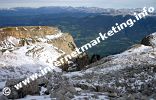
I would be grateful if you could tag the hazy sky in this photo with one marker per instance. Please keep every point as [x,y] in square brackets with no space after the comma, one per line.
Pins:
[78,3]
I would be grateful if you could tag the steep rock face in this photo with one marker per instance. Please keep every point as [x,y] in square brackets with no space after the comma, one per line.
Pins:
[27,31]
[65,43]
[20,36]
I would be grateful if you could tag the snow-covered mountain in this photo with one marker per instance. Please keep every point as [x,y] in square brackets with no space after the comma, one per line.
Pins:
[66,9]
[25,50]
[128,75]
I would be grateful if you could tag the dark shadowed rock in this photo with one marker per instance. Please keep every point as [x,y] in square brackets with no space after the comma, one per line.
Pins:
[95,58]
[149,40]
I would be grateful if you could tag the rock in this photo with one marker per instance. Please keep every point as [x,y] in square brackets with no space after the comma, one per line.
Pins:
[64,92]
[112,95]
[42,82]
[95,58]
[122,76]
[82,61]
[149,40]
[2,97]
[137,96]
[27,35]
[153,96]
[30,89]
[63,43]
[78,63]
[60,88]
[86,87]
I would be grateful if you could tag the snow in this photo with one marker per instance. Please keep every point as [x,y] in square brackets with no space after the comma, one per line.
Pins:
[42,40]
[43,90]
[50,37]
[142,48]
[2,84]
[24,28]
[40,28]
[128,59]
[91,96]
[9,42]
[151,56]
[153,34]
[22,61]
[72,74]
[13,40]
[113,68]
[36,98]
[16,28]
[28,59]
[78,89]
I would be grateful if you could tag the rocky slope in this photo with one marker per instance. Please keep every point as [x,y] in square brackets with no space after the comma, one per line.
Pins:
[130,75]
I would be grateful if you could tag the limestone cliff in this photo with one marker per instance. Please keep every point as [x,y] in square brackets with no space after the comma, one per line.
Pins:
[32,34]
[23,50]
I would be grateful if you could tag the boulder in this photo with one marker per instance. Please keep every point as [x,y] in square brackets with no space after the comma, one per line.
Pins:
[149,40]
[30,89]
[60,88]
[78,63]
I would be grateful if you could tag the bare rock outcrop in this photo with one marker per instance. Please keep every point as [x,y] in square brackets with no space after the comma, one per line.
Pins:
[30,89]
[63,43]
[149,40]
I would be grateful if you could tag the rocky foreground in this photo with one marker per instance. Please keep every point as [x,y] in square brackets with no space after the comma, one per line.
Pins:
[130,75]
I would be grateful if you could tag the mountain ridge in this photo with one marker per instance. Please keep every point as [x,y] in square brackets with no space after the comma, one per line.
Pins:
[68,9]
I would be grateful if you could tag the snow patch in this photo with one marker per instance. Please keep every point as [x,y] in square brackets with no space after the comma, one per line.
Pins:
[36,98]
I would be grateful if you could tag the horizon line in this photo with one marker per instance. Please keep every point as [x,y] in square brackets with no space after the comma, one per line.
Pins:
[66,7]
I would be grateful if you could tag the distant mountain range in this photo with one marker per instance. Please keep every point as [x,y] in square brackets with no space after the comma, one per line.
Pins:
[57,10]
[84,24]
